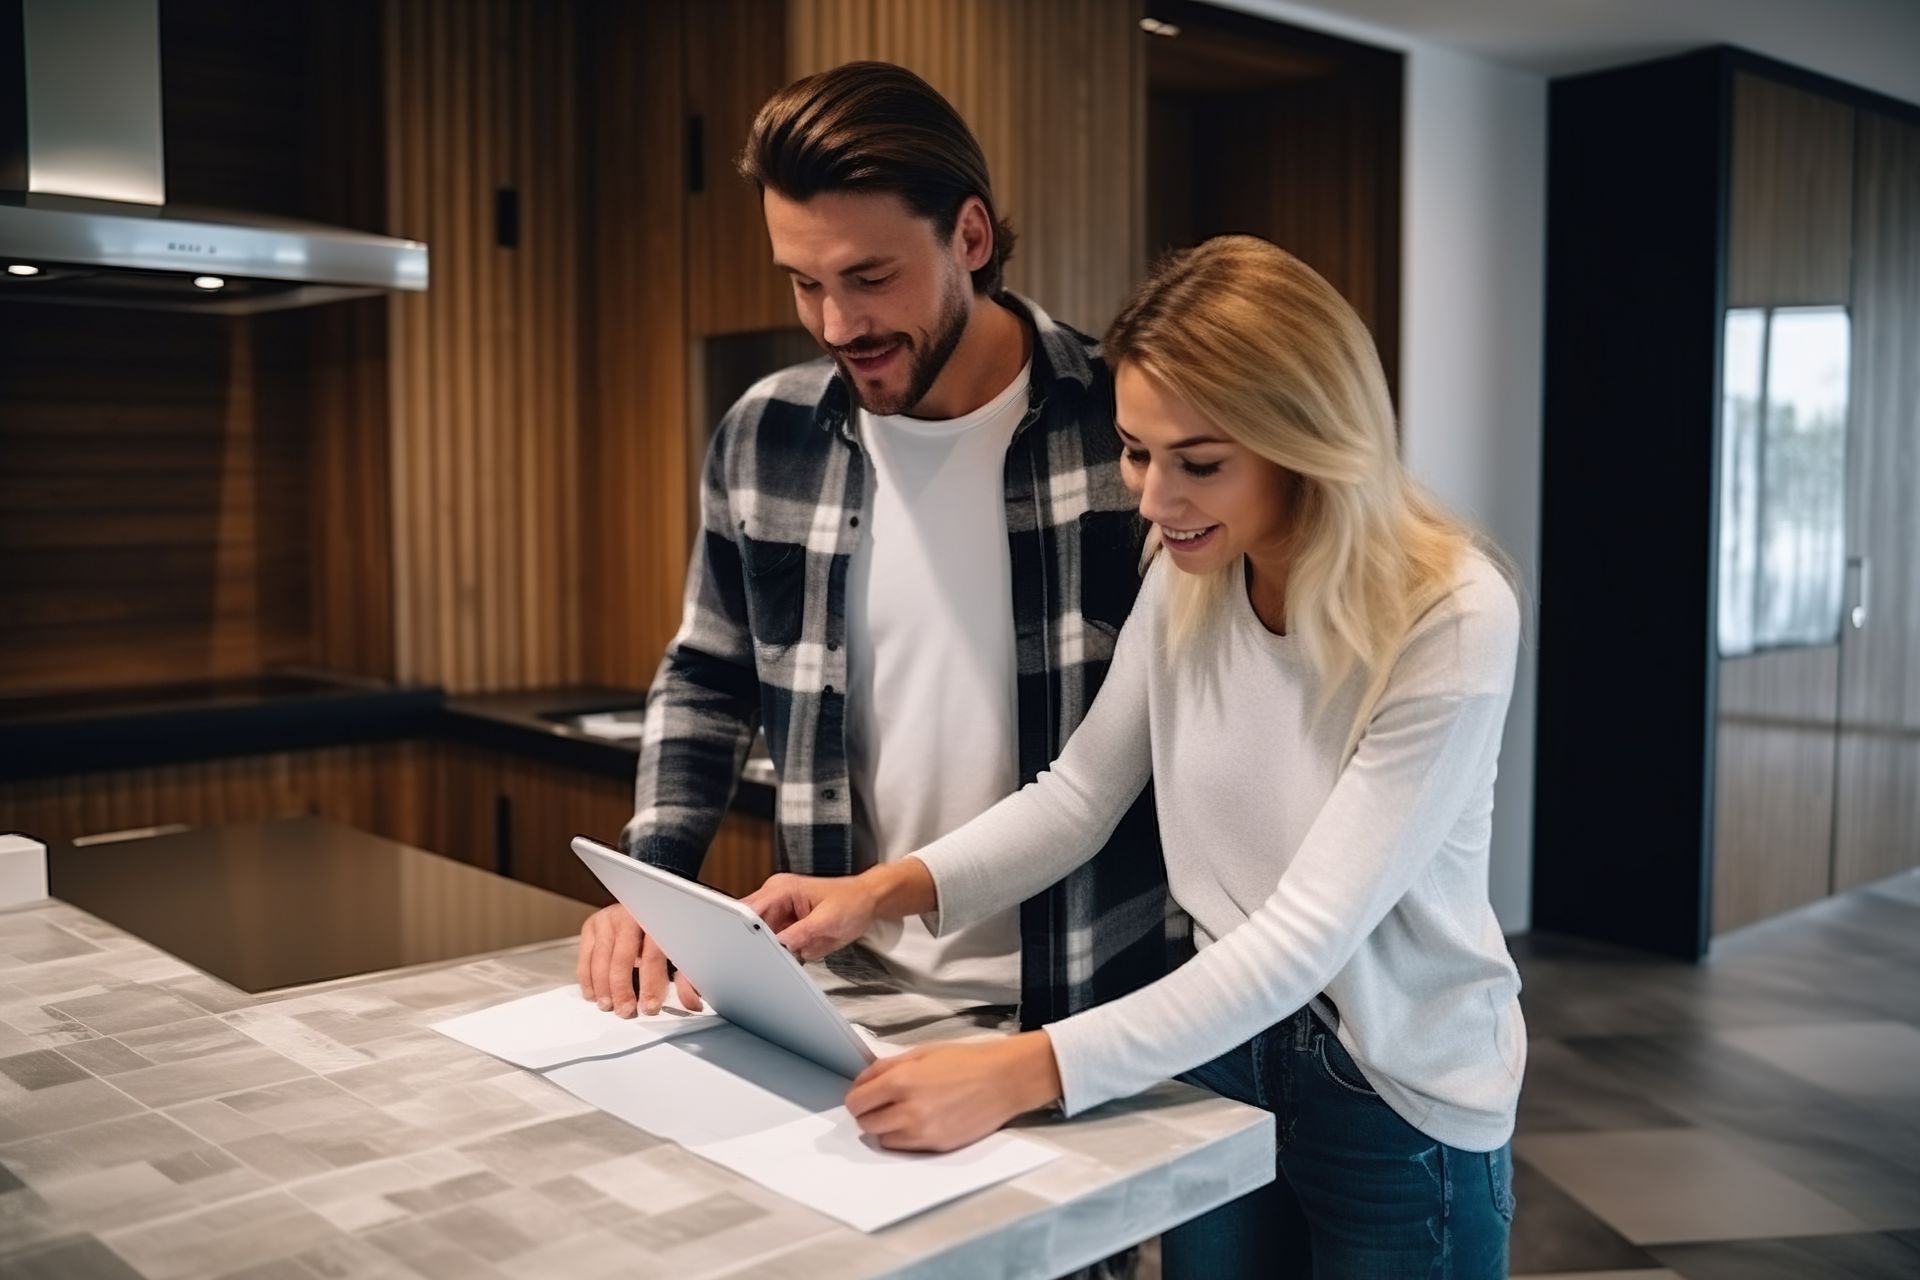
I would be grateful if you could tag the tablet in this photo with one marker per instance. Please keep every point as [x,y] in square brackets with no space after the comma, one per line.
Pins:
[733,958]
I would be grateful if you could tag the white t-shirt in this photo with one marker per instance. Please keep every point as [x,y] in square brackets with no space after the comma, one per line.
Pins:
[930,669]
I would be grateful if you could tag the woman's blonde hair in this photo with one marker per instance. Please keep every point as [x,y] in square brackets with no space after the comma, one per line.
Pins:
[1271,355]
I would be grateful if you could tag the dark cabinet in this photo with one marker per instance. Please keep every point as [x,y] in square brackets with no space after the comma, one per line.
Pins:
[1728,617]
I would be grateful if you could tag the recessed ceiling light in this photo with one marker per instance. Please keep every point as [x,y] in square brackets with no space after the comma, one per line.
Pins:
[22,269]
[1155,27]
[209,282]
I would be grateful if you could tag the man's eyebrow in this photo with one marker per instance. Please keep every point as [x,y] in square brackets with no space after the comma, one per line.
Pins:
[858,268]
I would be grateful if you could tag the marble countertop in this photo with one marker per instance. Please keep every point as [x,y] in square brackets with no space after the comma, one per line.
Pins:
[156,1122]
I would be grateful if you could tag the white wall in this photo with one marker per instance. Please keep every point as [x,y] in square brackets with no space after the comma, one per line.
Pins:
[1471,339]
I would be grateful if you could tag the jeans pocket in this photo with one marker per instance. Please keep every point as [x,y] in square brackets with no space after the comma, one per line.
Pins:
[1500,1181]
[1339,1065]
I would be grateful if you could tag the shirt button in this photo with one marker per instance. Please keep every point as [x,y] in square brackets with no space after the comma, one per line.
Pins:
[828,689]
[833,646]
[855,522]
[828,794]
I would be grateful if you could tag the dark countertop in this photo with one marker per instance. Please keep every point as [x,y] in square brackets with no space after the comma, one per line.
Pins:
[49,735]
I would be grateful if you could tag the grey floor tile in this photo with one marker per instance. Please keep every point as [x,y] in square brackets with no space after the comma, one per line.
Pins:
[128,1009]
[103,1056]
[1566,1091]
[1866,1158]
[1872,1060]
[1553,1232]
[58,1107]
[40,1069]
[74,1258]
[1838,1257]
[1670,1185]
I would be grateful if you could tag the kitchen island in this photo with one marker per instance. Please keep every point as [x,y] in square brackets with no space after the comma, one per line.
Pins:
[155,1121]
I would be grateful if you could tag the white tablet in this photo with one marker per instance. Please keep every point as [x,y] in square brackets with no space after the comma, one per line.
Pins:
[733,958]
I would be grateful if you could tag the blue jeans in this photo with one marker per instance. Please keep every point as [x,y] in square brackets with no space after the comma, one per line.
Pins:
[1359,1194]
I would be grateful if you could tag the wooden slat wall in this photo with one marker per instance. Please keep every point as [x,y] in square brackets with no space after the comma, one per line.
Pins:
[153,497]
[1055,91]
[485,375]
[1315,168]
[1879,828]
[152,512]
[349,477]
[735,59]
[634,448]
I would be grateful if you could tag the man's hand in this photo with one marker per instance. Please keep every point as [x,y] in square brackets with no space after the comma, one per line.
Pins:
[611,946]
[942,1097]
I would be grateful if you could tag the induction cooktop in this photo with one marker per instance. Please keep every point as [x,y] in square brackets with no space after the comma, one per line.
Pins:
[293,901]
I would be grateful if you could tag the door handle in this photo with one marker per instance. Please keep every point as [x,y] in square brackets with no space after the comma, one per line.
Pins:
[1862,569]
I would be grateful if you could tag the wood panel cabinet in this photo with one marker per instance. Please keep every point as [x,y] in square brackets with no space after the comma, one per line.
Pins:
[1789,244]
[488,808]
[1732,434]
[1878,832]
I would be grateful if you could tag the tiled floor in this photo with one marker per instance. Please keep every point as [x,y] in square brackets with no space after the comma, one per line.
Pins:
[1755,1117]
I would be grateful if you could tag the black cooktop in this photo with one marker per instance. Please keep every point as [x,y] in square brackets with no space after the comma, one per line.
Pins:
[278,904]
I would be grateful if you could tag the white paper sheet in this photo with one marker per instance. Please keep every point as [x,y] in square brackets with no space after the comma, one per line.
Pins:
[545,1030]
[825,1162]
[740,1101]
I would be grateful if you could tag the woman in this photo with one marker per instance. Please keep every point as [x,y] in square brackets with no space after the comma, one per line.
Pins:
[1315,679]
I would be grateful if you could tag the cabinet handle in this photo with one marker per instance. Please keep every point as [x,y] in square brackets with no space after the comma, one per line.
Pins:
[696,154]
[1862,569]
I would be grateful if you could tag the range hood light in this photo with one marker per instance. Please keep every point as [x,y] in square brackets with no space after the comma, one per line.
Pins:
[209,282]
[21,269]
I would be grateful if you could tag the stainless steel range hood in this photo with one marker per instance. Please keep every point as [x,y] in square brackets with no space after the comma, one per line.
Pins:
[83,211]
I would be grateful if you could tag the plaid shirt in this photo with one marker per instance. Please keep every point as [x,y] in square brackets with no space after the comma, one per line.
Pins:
[763,642]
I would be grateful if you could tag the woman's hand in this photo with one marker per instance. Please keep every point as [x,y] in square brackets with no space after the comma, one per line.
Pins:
[941,1097]
[815,916]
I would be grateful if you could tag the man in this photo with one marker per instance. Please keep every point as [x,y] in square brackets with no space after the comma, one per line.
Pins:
[914,558]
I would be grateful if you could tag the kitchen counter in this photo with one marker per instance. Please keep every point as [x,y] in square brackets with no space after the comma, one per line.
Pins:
[156,1119]
[51,735]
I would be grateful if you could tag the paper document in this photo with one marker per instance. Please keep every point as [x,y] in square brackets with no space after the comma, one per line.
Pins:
[561,1025]
[825,1161]
[738,1100]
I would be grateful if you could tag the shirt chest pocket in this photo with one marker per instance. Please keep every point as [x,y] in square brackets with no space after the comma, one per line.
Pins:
[776,590]
[1110,543]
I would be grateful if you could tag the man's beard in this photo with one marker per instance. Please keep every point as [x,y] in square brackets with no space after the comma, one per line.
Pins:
[925,361]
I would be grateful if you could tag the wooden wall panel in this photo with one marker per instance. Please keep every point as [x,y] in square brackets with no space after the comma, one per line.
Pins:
[154,499]
[1055,91]
[1879,828]
[152,513]
[485,446]
[735,58]
[1790,221]
[635,450]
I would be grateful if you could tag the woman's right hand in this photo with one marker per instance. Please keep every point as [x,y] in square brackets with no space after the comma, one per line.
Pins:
[813,916]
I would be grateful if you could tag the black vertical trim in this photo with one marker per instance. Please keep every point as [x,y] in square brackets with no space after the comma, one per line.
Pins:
[506,217]
[503,835]
[696,153]
[1636,232]
[13,96]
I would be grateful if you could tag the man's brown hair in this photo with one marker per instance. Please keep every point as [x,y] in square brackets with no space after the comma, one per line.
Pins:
[874,126]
